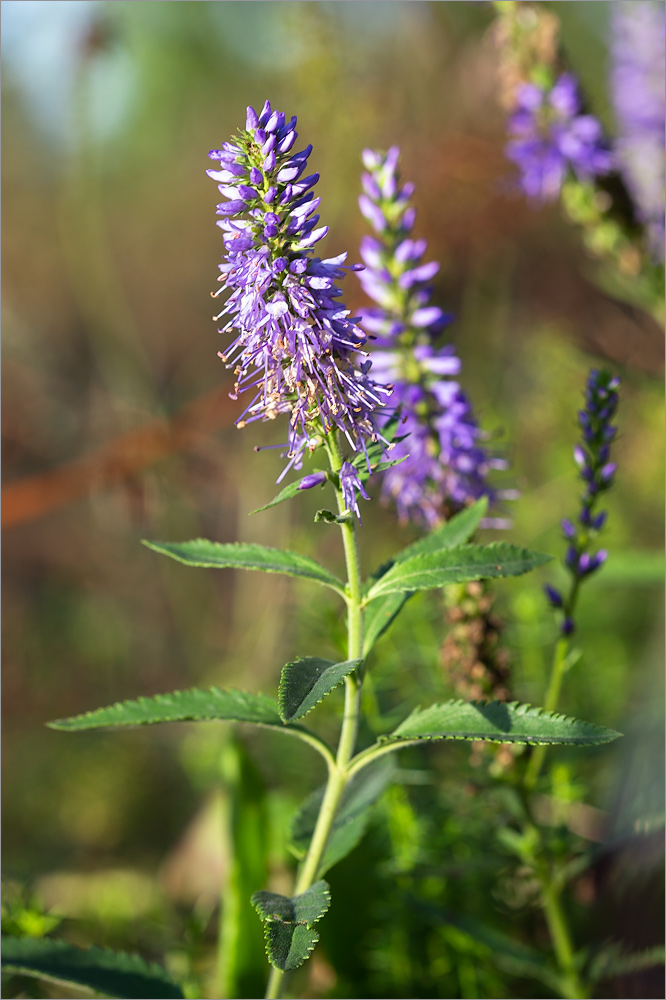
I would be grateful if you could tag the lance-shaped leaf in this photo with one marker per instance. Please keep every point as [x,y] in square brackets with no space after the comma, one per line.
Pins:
[115,974]
[292,490]
[289,923]
[381,614]
[243,555]
[430,570]
[351,819]
[498,722]
[180,706]
[457,530]
[306,681]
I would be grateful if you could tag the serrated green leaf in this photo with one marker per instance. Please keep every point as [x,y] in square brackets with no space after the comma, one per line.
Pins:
[289,922]
[380,615]
[351,819]
[457,530]
[245,555]
[497,722]
[306,681]
[288,492]
[180,706]
[289,945]
[459,564]
[615,961]
[115,974]
[307,908]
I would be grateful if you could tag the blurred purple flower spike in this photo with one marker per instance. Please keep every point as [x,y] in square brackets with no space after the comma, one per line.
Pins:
[549,137]
[446,465]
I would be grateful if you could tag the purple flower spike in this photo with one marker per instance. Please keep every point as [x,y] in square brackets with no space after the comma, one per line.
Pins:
[549,137]
[597,473]
[295,347]
[445,465]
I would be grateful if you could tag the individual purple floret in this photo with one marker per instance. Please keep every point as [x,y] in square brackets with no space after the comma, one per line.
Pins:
[597,473]
[638,84]
[296,346]
[352,486]
[549,137]
[447,466]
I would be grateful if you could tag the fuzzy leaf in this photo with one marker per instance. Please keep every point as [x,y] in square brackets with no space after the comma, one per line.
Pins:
[498,722]
[306,681]
[430,570]
[115,974]
[351,819]
[244,555]
[180,706]
[379,615]
[289,923]
[289,945]
[288,492]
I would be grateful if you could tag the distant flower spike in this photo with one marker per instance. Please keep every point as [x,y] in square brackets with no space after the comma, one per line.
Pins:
[597,473]
[549,137]
[446,466]
[638,95]
[296,345]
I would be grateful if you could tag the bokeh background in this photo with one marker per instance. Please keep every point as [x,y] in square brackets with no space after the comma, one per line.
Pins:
[117,427]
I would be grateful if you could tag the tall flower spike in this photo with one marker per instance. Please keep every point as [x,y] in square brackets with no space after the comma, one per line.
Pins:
[446,465]
[296,345]
[549,136]
[592,456]
[637,84]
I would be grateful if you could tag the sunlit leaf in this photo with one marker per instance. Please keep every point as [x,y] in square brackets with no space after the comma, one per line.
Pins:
[245,555]
[498,722]
[430,570]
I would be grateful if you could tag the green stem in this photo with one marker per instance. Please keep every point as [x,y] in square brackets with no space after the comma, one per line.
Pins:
[338,775]
[558,928]
[552,697]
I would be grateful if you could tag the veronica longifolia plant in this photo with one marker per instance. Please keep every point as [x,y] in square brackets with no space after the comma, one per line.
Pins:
[294,350]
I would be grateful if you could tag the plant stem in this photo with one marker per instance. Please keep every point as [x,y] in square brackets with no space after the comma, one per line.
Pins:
[338,775]
[558,928]
[552,697]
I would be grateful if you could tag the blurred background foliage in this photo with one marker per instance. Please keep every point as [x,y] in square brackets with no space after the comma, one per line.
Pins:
[117,426]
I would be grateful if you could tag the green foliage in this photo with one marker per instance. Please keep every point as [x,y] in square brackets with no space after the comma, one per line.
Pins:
[241,970]
[459,564]
[380,613]
[246,555]
[306,681]
[379,616]
[615,961]
[289,923]
[292,490]
[497,722]
[115,974]
[351,819]
[180,706]
[457,530]
[330,518]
